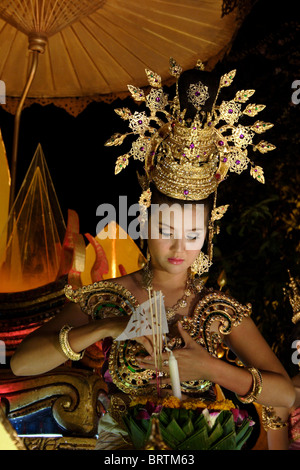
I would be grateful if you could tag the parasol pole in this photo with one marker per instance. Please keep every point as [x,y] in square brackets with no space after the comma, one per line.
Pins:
[37,46]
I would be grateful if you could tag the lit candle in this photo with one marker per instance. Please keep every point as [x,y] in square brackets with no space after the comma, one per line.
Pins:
[174,376]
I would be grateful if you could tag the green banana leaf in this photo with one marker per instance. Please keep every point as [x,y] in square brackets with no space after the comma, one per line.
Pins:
[243,433]
[225,443]
[183,429]
[197,441]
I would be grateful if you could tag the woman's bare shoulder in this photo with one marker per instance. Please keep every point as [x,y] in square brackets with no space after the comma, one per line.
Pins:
[126,279]
[296,380]
[131,282]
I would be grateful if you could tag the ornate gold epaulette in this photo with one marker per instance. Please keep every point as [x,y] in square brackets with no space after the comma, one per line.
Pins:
[102,298]
[215,306]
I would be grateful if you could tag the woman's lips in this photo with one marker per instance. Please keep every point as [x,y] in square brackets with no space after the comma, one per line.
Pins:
[175,260]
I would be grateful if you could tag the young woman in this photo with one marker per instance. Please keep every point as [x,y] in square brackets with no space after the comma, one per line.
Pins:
[174,246]
[185,161]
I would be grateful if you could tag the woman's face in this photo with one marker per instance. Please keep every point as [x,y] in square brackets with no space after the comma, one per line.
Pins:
[176,235]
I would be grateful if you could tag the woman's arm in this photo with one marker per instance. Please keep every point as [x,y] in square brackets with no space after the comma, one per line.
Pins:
[247,343]
[279,439]
[40,351]
[252,349]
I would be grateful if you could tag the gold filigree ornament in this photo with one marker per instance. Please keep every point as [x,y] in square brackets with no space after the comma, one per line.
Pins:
[270,420]
[238,160]
[144,203]
[145,199]
[201,264]
[218,212]
[198,95]
[293,293]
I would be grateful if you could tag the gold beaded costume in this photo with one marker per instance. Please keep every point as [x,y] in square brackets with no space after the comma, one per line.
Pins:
[106,298]
[125,378]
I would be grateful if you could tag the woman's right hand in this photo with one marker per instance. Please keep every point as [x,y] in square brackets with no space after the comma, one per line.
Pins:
[113,325]
[116,325]
[40,351]
[147,342]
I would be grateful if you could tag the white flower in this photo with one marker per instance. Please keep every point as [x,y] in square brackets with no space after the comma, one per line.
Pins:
[210,417]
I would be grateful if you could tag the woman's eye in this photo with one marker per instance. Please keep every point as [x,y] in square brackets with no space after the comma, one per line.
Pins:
[165,233]
[192,236]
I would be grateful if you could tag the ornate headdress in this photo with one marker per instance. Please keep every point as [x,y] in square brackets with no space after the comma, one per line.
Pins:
[189,144]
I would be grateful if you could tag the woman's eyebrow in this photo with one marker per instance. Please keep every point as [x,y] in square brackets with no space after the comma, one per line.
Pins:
[166,225]
[195,229]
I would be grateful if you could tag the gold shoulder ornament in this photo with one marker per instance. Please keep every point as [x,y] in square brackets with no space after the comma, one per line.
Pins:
[102,299]
[215,306]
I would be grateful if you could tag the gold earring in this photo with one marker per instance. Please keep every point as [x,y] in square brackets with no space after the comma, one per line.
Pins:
[147,274]
[201,264]
[216,214]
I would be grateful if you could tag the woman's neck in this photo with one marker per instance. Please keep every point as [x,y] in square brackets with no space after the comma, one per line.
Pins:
[164,280]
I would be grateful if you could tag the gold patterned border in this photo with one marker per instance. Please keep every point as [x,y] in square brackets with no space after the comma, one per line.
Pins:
[9,439]
[59,443]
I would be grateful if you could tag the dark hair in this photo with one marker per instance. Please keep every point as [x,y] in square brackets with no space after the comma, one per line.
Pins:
[295,333]
[192,77]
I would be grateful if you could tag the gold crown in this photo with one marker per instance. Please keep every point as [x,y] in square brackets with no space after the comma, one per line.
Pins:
[294,298]
[189,158]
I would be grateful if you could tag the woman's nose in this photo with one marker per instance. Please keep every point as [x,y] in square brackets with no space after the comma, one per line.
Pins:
[178,244]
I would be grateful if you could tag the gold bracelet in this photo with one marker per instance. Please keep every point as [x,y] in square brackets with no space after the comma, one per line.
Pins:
[256,388]
[65,345]
[270,420]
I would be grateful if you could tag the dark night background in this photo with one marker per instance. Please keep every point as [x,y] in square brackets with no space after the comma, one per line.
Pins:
[259,237]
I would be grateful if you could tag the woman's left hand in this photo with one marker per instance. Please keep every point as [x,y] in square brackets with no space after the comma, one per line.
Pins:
[194,362]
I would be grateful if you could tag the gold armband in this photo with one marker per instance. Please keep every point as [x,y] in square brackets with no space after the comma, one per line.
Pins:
[270,420]
[65,345]
[256,388]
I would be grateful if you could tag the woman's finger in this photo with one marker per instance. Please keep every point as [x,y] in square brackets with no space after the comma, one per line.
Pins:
[144,340]
[149,361]
[188,340]
[162,380]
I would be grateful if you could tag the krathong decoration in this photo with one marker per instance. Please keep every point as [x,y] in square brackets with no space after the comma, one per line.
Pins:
[191,424]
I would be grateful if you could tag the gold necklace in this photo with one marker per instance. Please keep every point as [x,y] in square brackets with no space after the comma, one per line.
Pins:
[190,287]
